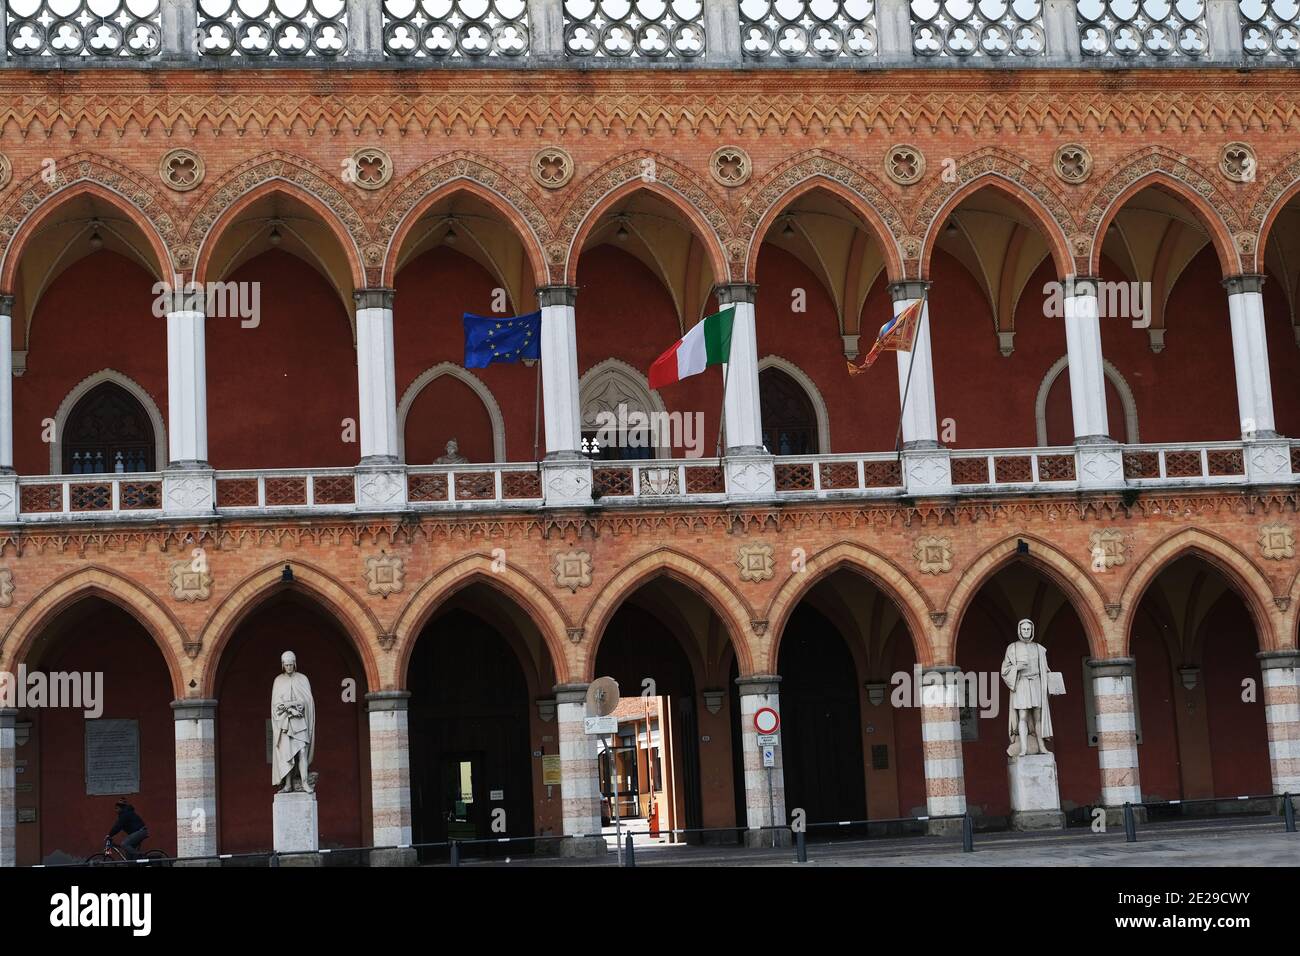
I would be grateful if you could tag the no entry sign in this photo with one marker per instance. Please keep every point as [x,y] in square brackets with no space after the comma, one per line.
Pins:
[767,720]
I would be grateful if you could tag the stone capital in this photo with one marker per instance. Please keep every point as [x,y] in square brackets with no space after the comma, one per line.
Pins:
[908,290]
[549,295]
[1111,667]
[1243,283]
[729,293]
[373,298]
[380,700]
[194,708]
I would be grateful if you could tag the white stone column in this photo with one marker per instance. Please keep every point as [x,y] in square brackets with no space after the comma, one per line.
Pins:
[559,350]
[196,779]
[926,465]
[1281,673]
[1250,356]
[376,377]
[8,789]
[1100,458]
[187,390]
[579,774]
[1087,371]
[764,786]
[945,774]
[743,424]
[390,779]
[6,384]
[188,485]
[566,472]
[749,468]
[1117,754]
[920,421]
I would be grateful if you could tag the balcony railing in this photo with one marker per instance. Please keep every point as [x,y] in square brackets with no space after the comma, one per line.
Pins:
[648,33]
[523,486]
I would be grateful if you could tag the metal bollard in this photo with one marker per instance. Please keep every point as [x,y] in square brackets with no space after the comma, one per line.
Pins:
[274,861]
[1288,812]
[967,834]
[801,846]
[455,853]
[1130,825]
[629,858]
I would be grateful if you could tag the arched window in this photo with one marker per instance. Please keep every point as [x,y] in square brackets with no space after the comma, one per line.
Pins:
[789,420]
[618,409]
[108,430]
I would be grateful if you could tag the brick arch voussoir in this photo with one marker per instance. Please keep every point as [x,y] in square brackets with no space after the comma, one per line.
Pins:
[518,205]
[357,621]
[520,587]
[1242,575]
[168,634]
[859,189]
[911,602]
[1281,188]
[272,172]
[679,186]
[1182,177]
[1044,206]
[1076,582]
[733,610]
[31,201]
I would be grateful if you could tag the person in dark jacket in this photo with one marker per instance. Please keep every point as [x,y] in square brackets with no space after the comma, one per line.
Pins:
[128,822]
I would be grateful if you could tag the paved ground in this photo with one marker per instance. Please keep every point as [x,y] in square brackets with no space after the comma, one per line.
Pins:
[1255,841]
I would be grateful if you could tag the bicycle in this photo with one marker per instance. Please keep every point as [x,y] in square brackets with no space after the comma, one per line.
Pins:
[112,855]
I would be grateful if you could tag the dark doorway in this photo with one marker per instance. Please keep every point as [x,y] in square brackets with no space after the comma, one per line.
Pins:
[789,421]
[821,722]
[469,734]
[108,430]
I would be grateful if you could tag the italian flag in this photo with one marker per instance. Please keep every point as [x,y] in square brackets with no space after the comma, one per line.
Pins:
[707,343]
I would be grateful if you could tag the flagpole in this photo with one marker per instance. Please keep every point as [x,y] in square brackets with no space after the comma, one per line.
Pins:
[537,412]
[726,372]
[907,386]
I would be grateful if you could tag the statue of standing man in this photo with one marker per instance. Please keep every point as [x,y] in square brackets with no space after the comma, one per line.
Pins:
[293,728]
[1025,672]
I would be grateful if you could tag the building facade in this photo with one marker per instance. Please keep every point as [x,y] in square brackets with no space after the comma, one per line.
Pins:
[236,241]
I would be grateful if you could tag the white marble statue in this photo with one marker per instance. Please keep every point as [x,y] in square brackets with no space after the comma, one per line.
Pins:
[293,728]
[1025,672]
[453,456]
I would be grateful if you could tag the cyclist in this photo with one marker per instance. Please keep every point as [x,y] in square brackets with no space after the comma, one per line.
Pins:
[129,823]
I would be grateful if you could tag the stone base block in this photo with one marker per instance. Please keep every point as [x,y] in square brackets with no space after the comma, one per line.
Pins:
[1037,820]
[1035,794]
[1115,816]
[947,827]
[394,857]
[760,839]
[303,860]
[295,824]
[583,846]
[196,863]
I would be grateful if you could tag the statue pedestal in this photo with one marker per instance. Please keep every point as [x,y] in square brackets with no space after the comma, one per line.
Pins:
[1035,796]
[296,829]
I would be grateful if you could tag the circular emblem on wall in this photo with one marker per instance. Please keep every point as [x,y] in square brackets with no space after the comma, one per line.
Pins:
[904,164]
[552,167]
[6,170]
[1237,162]
[730,166]
[181,169]
[1072,162]
[371,168]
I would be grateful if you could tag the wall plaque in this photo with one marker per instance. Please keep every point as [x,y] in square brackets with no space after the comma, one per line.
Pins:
[112,757]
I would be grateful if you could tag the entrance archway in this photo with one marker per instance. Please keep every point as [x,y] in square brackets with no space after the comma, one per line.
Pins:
[479,677]
[74,767]
[291,621]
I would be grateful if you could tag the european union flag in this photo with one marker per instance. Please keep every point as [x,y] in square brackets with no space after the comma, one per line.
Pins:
[491,338]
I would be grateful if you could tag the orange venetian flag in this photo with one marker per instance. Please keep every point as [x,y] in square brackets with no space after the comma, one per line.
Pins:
[896,335]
